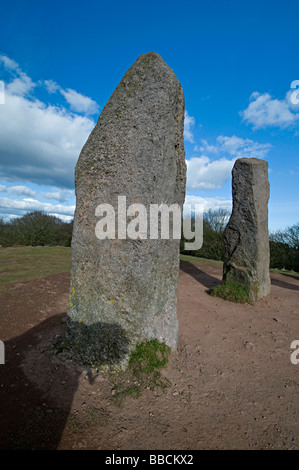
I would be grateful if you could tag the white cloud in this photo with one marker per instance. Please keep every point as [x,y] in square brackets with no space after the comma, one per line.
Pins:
[21,191]
[65,218]
[40,142]
[80,103]
[236,146]
[9,63]
[202,173]
[205,174]
[18,190]
[188,123]
[209,202]
[206,147]
[51,86]
[264,110]
[60,195]
[28,204]
[20,86]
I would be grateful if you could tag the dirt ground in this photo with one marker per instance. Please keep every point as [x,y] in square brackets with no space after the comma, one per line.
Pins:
[232,383]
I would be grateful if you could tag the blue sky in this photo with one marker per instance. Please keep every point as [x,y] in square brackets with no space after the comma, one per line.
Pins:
[236,61]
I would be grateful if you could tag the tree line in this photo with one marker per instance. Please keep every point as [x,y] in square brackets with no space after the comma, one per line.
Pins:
[36,229]
[284,245]
[40,229]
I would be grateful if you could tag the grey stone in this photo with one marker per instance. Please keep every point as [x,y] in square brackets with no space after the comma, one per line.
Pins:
[246,236]
[124,291]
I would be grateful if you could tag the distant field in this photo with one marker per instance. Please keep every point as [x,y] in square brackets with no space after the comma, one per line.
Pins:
[23,263]
[195,259]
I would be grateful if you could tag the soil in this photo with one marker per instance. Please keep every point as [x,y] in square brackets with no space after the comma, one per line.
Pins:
[232,384]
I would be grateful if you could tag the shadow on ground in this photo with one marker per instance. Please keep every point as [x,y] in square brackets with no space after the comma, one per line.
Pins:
[30,416]
[285,285]
[200,276]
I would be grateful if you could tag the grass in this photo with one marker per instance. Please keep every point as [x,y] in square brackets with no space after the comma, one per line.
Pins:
[196,259]
[149,356]
[144,371]
[284,271]
[230,291]
[22,263]
[18,264]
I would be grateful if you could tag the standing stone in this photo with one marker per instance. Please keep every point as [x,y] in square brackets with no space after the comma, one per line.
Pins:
[124,291]
[246,236]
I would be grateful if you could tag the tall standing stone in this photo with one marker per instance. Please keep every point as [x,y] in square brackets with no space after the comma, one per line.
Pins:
[124,291]
[246,236]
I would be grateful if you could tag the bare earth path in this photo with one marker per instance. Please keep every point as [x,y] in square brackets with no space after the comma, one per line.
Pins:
[233,385]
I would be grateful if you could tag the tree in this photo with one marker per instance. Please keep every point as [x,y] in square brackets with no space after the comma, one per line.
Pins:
[284,249]
[214,223]
[36,229]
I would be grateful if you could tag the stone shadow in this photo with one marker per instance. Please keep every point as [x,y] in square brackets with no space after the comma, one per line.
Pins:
[30,418]
[200,276]
[284,285]
[292,276]
[37,387]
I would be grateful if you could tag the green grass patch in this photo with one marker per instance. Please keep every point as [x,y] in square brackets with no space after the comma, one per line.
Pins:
[18,264]
[230,291]
[149,356]
[144,371]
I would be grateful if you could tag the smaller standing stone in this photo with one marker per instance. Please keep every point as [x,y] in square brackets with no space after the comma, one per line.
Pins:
[246,237]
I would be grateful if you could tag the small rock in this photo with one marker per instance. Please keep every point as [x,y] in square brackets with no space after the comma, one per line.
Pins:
[250,346]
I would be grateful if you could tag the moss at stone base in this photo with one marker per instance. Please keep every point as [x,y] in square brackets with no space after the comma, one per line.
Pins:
[143,371]
[231,291]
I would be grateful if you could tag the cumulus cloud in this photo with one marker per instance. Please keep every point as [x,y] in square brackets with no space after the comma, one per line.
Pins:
[51,86]
[264,110]
[188,124]
[39,142]
[22,84]
[21,207]
[9,63]
[207,203]
[236,146]
[206,147]
[18,190]
[60,195]
[80,103]
[205,174]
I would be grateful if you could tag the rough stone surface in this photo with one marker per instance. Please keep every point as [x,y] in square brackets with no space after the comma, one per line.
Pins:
[124,291]
[246,236]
